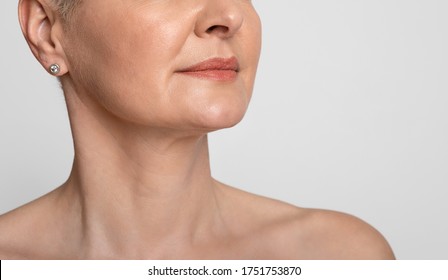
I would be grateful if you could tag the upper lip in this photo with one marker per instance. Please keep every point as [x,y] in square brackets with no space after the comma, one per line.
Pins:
[216,63]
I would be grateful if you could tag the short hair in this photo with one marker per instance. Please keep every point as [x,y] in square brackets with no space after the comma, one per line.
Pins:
[66,7]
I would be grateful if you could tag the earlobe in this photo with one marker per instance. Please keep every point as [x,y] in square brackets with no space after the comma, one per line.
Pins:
[37,21]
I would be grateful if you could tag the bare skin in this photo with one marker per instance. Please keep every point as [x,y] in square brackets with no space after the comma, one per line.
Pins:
[141,186]
[239,226]
[242,226]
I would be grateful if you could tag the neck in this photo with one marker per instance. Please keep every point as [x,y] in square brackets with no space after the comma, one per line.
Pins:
[138,187]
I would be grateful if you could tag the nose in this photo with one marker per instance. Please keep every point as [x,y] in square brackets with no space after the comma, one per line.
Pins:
[219,18]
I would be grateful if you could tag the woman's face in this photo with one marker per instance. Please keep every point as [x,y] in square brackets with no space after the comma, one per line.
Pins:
[135,59]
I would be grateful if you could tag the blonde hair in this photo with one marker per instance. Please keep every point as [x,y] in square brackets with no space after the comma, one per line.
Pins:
[66,7]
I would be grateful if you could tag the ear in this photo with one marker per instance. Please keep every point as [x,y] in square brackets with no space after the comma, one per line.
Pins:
[42,29]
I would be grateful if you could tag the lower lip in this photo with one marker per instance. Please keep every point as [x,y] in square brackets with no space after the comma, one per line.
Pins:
[215,75]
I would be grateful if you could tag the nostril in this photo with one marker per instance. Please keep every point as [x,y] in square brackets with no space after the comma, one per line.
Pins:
[218,28]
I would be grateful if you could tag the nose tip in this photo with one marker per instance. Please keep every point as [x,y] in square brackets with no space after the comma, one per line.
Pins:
[219,18]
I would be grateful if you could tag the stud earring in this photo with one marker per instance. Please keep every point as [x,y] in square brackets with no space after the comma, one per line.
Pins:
[55,69]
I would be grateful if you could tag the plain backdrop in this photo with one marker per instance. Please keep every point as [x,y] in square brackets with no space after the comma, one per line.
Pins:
[349,113]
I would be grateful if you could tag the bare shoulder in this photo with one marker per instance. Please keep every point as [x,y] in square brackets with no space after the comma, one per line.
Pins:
[285,231]
[22,229]
[336,235]
[11,232]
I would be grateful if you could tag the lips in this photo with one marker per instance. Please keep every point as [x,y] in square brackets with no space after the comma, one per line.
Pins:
[218,69]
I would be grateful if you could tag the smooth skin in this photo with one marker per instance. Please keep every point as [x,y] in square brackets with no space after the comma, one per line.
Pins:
[141,186]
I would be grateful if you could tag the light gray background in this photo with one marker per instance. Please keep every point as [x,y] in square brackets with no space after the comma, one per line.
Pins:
[349,113]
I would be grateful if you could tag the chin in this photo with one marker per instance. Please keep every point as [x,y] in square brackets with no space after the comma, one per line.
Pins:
[219,108]
[220,117]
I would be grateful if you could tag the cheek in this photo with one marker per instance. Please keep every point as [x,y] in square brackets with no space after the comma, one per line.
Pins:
[125,64]
[252,42]
[249,44]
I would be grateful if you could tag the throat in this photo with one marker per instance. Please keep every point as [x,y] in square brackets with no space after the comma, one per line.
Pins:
[129,199]
[128,223]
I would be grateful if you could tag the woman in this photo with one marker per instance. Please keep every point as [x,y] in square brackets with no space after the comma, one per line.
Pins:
[144,82]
